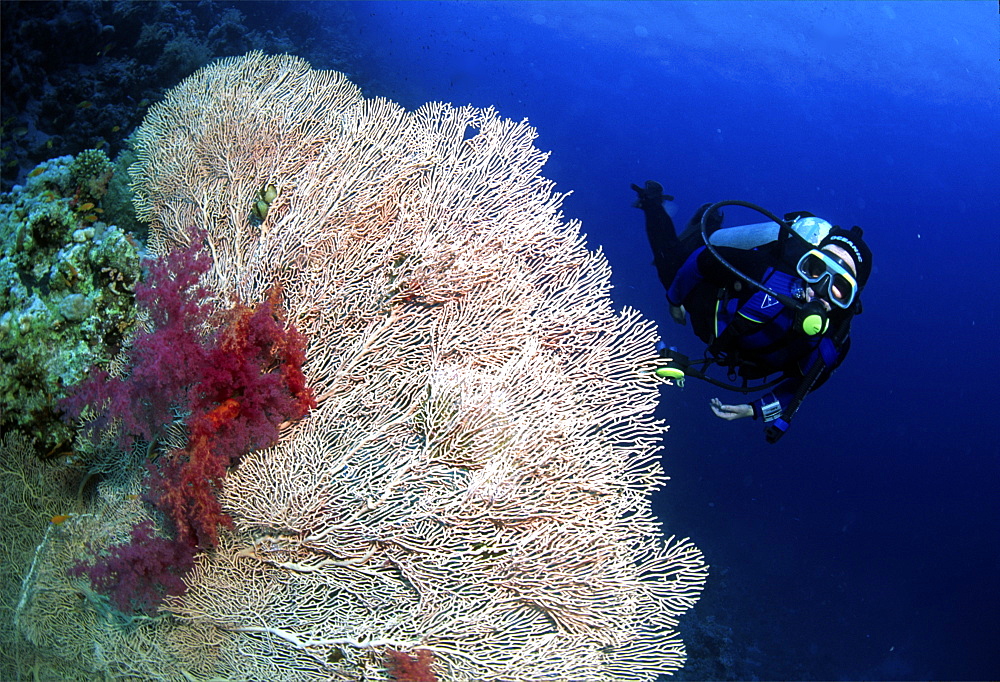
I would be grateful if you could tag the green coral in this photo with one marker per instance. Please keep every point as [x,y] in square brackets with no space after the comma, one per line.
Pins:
[90,172]
[119,209]
[66,280]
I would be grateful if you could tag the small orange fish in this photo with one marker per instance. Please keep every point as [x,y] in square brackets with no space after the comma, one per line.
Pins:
[35,173]
[90,217]
[85,104]
[86,207]
[115,129]
[59,518]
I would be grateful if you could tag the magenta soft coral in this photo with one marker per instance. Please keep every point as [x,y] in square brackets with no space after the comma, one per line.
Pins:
[237,385]
[165,362]
[139,574]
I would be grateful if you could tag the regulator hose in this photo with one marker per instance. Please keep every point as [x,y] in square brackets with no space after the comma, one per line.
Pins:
[784,229]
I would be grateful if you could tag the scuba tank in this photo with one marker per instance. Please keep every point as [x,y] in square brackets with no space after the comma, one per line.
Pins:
[746,237]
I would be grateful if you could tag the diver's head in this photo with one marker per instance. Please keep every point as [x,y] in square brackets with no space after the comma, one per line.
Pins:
[838,269]
[851,242]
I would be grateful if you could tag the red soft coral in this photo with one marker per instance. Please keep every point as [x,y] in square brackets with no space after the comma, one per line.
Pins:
[252,382]
[404,667]
[184,483]
[256,361]
[237,385]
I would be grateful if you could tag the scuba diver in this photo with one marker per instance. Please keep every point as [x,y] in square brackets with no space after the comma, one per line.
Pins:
[772,301]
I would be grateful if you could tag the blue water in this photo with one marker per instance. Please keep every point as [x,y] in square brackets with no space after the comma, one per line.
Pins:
[865,545]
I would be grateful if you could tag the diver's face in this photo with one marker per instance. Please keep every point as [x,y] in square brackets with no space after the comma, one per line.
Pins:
[848,260]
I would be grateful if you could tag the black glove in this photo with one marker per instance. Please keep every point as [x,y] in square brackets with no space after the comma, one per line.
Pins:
[651,195]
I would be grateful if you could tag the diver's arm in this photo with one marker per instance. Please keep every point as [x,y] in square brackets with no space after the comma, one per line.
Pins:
[769,406]
[773,405]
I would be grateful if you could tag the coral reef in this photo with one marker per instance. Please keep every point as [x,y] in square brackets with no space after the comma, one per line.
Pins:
[475,480]
[52,619]
[115,58]
[90,174]
[66,280]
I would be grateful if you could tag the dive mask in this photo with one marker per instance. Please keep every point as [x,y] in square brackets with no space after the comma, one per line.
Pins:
[830,276]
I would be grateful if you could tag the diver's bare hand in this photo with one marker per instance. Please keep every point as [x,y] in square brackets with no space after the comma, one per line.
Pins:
[730,412]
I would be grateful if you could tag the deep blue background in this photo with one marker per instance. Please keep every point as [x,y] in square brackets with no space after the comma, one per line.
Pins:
[866,543]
